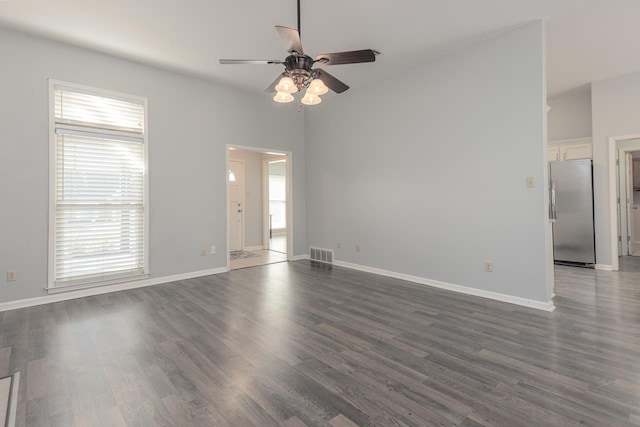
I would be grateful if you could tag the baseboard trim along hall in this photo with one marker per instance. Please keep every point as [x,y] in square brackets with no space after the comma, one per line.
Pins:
[539,305]
[301,257]
[254,248]
[604,267]
[64,296]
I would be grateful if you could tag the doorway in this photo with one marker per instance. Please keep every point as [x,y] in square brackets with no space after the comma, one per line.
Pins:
[259,211]
[624,187]
[630,195]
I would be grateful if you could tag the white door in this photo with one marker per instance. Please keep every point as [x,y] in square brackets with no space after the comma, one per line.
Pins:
[236,205]
[630,204]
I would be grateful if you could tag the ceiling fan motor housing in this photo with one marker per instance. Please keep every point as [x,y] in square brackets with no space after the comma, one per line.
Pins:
[299,69]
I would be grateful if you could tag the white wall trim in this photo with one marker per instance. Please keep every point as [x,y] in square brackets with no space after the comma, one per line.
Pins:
[604,267]
[254,248]
[64,296]
[539,305]
[301,257]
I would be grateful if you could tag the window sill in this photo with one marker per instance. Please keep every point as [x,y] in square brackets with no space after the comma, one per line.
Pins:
[76,287]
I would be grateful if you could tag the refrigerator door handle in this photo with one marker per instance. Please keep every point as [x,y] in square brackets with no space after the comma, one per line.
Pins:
[552,202]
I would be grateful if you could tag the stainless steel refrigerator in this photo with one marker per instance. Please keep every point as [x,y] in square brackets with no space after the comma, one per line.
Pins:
[571,211]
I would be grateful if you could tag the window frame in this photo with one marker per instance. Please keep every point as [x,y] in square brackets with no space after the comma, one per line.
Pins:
[51,251]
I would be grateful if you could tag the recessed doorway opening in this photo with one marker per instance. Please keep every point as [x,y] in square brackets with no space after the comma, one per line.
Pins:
[624,188]
[259,201]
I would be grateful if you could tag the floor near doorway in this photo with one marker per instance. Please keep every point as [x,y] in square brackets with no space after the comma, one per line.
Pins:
[242,255]
[278,243]
[264,257]
[630,264]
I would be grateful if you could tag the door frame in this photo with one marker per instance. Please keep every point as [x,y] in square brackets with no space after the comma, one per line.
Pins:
[242,201]
[289,157]
[614,230]
[628,186]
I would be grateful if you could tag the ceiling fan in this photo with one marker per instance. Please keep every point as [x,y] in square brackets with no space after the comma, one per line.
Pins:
[299,72]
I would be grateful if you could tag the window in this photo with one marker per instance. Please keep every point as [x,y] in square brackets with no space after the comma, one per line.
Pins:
[98,218]
[278,195]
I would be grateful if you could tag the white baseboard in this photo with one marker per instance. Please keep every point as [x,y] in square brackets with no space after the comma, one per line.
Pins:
[545,306]
[254,248]
[301,257]
[604,267]
[64,296]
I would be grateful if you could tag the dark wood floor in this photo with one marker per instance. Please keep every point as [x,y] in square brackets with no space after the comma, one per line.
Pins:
[294,344]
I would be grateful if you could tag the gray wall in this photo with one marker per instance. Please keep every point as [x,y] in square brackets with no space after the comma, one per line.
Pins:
[427,170]
[190,123]
[570,116]
[616,112]
[252,195]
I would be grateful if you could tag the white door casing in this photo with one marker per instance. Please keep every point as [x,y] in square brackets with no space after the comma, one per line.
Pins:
[236,205]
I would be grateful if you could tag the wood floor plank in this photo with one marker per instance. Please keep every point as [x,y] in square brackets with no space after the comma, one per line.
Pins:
[298,344]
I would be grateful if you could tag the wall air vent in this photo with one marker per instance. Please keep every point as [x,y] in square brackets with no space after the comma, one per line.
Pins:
[321,255]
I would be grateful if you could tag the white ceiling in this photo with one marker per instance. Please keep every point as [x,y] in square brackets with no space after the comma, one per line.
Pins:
[587,39]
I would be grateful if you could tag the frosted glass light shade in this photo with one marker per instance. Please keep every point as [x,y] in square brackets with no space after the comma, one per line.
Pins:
[311,99]
[283,97]
[286,85]
[317,87]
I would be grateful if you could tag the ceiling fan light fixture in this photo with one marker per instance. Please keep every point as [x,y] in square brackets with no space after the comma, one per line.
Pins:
[283,97]
[311,98]
[286,85]
[317,87]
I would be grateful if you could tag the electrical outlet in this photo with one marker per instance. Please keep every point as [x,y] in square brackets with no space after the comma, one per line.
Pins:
[213,250]
[531,183]
[203,252]
[12,276]
[338,245]
[358,247]
[488,266]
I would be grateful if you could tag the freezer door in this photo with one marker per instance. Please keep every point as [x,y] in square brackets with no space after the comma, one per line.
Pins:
[573,233]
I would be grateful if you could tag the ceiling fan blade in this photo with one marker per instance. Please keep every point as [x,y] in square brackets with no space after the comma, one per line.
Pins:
[250,61]
[352,57]
[291,39]
[332,83]
[272,86]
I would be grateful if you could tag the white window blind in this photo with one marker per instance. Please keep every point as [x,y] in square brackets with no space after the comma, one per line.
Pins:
[99,230]
[86,109]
